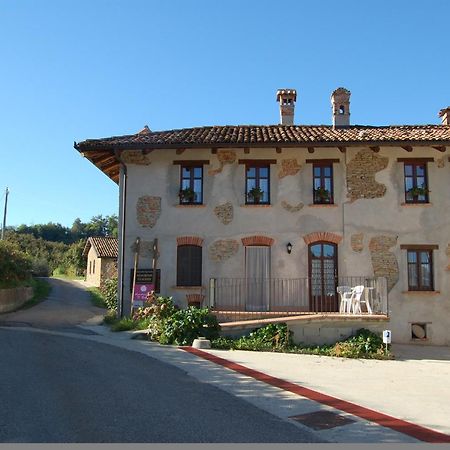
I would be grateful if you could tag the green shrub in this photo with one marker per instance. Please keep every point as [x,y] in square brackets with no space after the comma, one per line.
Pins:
[272,337]
[109,290]
[275,337]
[185,325]
[15,265]
[364,344]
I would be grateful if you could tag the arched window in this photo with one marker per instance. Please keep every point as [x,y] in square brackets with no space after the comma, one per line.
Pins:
[341,109]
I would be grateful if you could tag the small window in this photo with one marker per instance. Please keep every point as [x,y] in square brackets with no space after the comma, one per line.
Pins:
[90,267]
[420,270]
[323,183]
[189,265]
[341,109]
[257,185]
[191,185]
[416,182]
[93,266]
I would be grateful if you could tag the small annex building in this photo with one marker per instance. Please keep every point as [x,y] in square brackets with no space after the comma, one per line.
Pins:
[101,253]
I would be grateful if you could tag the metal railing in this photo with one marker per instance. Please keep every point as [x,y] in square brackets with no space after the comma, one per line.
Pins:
[248,298]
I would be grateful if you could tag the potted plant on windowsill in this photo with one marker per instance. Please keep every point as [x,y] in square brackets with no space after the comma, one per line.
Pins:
[322,195]
[418,191]
[187,195]
[255,195]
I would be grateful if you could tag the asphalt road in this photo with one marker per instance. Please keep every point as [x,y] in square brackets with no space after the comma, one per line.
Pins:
[60,389]
[67,306]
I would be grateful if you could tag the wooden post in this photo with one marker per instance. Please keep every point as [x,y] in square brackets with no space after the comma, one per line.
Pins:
[136,261]
[154,261]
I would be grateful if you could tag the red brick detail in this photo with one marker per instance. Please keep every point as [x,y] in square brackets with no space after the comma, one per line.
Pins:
[322,236]
[257,240]
[195,299]
[190,240]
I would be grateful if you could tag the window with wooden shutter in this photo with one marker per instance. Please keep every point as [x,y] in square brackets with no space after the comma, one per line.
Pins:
[189,265]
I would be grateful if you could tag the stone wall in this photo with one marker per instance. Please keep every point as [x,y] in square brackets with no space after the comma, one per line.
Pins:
[148,210]
[223,249]
[224,212]
[11,299]
[384,262]
[361,172]
[356,242]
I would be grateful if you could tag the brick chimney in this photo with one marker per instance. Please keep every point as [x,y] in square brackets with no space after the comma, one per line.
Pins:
[444,114]
[340,104]
[287,98]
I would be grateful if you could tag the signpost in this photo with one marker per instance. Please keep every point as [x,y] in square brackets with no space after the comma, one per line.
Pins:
[143,280]
[387,336]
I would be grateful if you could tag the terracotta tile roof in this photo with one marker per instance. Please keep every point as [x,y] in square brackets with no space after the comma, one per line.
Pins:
[105,247]
[273,135]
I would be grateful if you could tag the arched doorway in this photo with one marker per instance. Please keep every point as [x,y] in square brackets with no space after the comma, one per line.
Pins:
[323,276]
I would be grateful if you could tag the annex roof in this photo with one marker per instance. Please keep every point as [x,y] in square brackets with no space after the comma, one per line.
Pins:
[105,247]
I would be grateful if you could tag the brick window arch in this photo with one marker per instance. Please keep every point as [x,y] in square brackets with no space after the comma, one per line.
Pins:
[190,240]
[257,240]
[324,236]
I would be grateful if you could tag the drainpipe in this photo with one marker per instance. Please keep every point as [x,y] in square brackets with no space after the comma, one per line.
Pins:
[123,178]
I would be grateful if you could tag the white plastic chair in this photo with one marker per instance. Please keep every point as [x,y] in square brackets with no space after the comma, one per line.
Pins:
[355,301]
[345,293]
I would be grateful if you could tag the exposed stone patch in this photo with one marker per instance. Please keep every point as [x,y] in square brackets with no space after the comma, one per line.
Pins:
[148,210]
[135,157]
[224,212]
[361,172]
[440,163]
[289,167]
[291,208]
[384,262]
[145,248]
[223,249]
[224,157]
[356,242]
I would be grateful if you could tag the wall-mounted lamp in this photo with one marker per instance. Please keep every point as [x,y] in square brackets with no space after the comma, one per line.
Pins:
[289,248]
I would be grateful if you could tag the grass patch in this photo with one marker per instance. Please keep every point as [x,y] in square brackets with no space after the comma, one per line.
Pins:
[97,298]
[64,276]
[41,290]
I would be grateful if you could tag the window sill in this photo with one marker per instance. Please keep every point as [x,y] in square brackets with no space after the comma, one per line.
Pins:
[416,204]
[323,205]
[187,205]
[426,293]
[185,288]
[250,205]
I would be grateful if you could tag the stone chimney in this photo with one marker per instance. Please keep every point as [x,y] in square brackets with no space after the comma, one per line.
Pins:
[444,114]
[340,104]
[287,98]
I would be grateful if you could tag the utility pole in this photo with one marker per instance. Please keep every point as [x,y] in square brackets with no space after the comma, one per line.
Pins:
[4,213]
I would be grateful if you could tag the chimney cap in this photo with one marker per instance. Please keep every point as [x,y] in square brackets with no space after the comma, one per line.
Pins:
[289,92]
[145,130]
[444,110]
[340,91]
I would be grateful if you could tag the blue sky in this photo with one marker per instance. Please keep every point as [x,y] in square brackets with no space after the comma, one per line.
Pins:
[79,69]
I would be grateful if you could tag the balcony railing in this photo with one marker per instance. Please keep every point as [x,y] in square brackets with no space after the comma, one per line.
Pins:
[247,298]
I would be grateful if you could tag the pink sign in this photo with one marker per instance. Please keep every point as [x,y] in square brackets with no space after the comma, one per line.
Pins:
[140,293]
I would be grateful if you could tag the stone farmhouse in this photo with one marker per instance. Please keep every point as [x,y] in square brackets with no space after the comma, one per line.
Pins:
[101,254]
[278,222]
